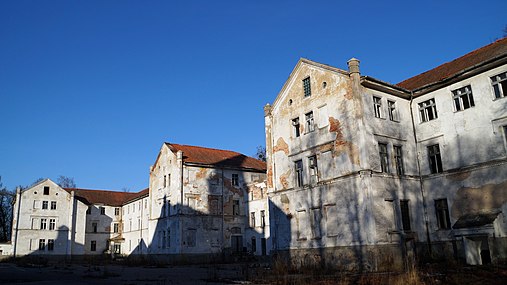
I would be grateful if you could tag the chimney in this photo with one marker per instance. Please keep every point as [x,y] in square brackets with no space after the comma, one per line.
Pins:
[353,64]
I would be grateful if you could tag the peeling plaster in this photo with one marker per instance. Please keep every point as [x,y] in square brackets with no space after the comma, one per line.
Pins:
[475,200]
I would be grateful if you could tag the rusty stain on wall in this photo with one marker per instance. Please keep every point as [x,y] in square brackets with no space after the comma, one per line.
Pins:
[283,179]
[281,145]
[270,176]
[342,146]
[459,176]
[475,200]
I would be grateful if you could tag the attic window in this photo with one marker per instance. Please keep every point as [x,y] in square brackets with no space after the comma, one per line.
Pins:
[46,190]
[306,87]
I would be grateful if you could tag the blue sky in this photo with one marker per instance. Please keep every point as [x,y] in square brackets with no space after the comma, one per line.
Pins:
[91,89]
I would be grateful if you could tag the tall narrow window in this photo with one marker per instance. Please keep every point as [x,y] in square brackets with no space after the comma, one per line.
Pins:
[116,211]
[405,215]
[254,245]
[165,181]
[499,83]
[116,228]
[312,162]
[168,241]
[306,87]
[263,218]
[299,173]
[44,205]
[310,126]
[442,211]
[252,219]
[94,227]
[377,106]
[463,98]
[235,179]
[168,180]
[53,205]
[384,158]
[435,159]
[398,158]
[102,210]
[93,245]
[235,207]
[428,110]
[393,113]
[43,224]
[46,190]
[295,125]
[52,224]
[51,244]
[89,210]
[42,244]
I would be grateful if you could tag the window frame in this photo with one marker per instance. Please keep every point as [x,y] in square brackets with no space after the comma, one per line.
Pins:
[45,205]
[52,224]
[398,159]
[499,85]
[442,214]
[236,207]
[51,245]
[307,87]
[46,190]
[42,244]
[313,168]
[424,110]
[461,96]
[53,205]
[309,122]
[296,127]
[102,210]
[93,245]
[377,106]
[435,159]
[384,157]
[406,224]
[235,179]
[299,173]
[43,224]
[252,219]
[392,111]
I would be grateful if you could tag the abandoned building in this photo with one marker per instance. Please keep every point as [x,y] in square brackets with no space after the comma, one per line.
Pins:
[198,204]
[367,174]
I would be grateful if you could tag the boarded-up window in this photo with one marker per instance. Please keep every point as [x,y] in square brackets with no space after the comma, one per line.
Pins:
[322,117]
[326,162]
[36,204]
[316,218]
[331,220]
[302,224]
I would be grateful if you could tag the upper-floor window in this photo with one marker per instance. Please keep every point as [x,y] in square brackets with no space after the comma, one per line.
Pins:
[53,205]
[42,244]
[310,127]
[312,162]
[165,181]
[93,245]
[46,190]
[442,211]
[435,159]
[299,173]
[51,244]
[377,106]
[116,228]
[393,113]
[295,125]
[398,159]
[52,224]
[428,110]
[235,207]
[94,227]
[44,205]
[384,158]
[463,98]
[235,179]
[102,210]
[89,210]
[500,85]
[263,218]
[43,224]
[306,87]
[252,219]
[116,211]
[405,215]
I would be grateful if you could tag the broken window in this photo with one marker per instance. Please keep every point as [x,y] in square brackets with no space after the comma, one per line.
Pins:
[307,87]
[44,205]
[235,207]
[405,216]
[51,244]
[312,162]
[252,219]
[295,125]
[316,218]
[393,113]
[428,110]
[102,210]
[463,98]
[116,228]
[235,179]
[384,157]
[499,83]
[435,159]
[46,190]
[398,159]
[263,218]
[52,224]
[377,107]
[299,173]
[310,127]
[442,211]
[93,245]
[53,205]
[42,244]
[43,224]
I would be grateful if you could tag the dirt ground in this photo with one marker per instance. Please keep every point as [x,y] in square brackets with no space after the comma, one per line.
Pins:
[112,274]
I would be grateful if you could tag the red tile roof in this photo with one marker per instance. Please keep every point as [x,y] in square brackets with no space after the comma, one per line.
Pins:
[446,70]
[107,197]
[217,157]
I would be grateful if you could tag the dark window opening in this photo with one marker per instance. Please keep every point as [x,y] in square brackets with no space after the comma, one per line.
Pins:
[295,124]
[306,87]
[384,158]
[405,216]
[299,173]
[435,158]
[442,211]
[46,190]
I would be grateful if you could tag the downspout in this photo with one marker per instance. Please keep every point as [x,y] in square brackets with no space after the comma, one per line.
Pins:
[179,156]
[223,219]
[18,200]
[421,185]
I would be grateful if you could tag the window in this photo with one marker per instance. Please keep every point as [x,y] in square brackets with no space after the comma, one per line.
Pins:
[442,211]
[398,159]
[89,210]
[43,224]
[46,190]
[405,217]
[301,225]
[377,106]
[306,87]
[44,205]
[53,205]
[316,218]
[93,245]
[463,98]
[254,245]
[116,228]
[310,127]
[117,248]
[168,179]
[168,244]
[191,237]
[299,173]
[116,211]
[235,179]
[384,158]
[295,125]
[500,85]
[235,207]
[435,159]
[252,219]
[52,224]
[94,227]
[393,113]
[312,162]
[102,210]
[263,218]
[42,244]
[165,181]
[51,244]
[428,110]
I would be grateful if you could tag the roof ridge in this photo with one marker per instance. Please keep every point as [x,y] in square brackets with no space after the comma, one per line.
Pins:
[205,147]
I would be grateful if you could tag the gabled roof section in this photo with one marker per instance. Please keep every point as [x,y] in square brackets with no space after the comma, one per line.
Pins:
[217,157]
[447,70]
[106,197]
[141,194]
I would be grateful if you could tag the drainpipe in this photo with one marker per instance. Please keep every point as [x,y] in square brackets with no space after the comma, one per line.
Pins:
[421,185]
[179,156]
[223,218]
[18,201]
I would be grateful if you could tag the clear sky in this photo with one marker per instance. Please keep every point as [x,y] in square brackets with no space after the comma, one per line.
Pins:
[91,89]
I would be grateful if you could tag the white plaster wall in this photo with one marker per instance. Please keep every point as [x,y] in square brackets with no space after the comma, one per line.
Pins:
[135,216]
